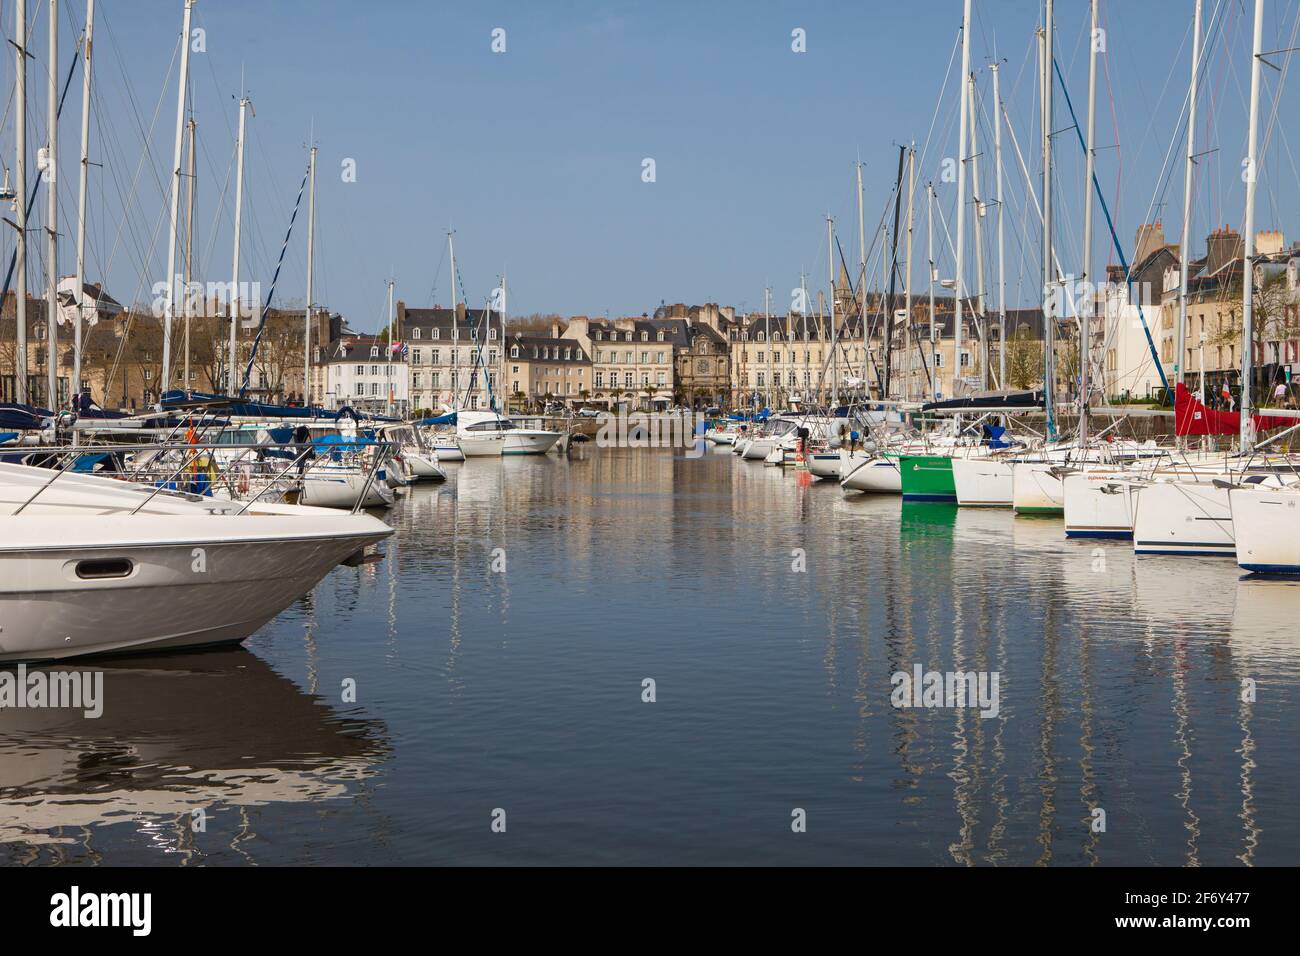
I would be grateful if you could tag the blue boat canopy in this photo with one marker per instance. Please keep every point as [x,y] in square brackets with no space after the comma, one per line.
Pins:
[448,419]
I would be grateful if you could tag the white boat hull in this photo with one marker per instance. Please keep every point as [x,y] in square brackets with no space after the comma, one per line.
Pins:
[1266,525]
[449,452]
[488,445]
[1174,517]
[1035,490]
[1099,506]
[874,476]
[520,441]
[341,488]
[826,464]
[423,467]
[193,580]
[983,482]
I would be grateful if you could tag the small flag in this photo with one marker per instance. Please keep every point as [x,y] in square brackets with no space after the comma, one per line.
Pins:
[401,349]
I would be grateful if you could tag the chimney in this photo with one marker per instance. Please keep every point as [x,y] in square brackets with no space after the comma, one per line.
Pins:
[460,311]
[1269,242]
[1221,247]
[578,325]
[728,313]
[1150,237]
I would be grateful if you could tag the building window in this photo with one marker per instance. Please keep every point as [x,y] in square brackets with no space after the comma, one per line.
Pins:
[433,380]
[417,357]
[661,335]
[600,379]
[514,353]
[434,335]
[415,333]
[627,379]
[374,351]
[361,370]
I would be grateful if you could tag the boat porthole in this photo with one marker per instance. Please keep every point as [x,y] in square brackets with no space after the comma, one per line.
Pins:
[98,568]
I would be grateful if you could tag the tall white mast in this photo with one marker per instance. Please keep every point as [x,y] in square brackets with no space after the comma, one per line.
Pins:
[862,267]
[170,310]
[907,286]
[978,207]
[961,197]
[501,351]
[934,270]
[455,335]
[1002,275]
[767,336]
[1248,256]
[80,280]
[830,261]
[1089,300]
[20,207]
[311,249]
[189,243]
[388,404]
[239,213]
[1049,319]
[52,216]
[1180,337]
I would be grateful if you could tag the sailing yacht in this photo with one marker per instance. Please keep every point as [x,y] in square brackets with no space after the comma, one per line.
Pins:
[92,565]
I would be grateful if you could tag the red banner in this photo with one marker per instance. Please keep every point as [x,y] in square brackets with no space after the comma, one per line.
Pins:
[1193,418]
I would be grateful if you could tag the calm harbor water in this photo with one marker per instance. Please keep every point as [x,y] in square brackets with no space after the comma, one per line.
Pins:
[1120,688]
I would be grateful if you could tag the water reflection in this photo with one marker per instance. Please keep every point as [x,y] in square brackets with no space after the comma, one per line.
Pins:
[505,638]
[219,731]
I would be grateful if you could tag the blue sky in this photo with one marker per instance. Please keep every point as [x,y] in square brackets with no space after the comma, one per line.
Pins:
[534,156]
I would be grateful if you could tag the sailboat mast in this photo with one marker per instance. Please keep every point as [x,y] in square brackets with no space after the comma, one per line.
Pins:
[52,216]
[20,207]
[961,197]
[977,214]
[189,246]
[311,275]
[1049,319]
[929,254]
[830,262]
[501,351]
[1248,255]
[1086,307]
[169,312]
[239,210]
[388,405]
[79,292]
[1180,336]
[893,275]
[907,287]
[767,337]
[1002,275]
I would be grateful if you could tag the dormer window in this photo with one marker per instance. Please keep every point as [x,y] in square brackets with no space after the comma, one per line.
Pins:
[514,351]
[415,333]
[645,336]
[435,333]
[492,335]
[661,335]
[374,351]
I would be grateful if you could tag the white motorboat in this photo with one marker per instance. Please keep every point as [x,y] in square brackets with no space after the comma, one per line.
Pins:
[486,434]
[93,565]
